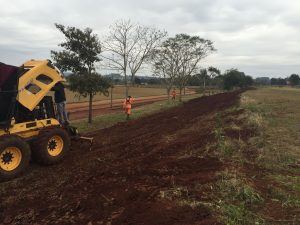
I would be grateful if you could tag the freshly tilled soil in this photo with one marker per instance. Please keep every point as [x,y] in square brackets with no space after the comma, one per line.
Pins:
[135,173]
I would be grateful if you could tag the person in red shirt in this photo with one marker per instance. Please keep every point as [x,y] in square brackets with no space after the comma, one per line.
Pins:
[127,106]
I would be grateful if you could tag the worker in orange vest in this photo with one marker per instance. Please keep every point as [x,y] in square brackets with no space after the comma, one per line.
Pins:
[127,106]
[173,94]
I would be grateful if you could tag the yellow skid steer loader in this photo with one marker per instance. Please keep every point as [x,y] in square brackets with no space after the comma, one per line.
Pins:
[28,124]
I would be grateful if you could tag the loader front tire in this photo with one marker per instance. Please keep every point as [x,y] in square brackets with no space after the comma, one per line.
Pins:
[14,157]
[51,146]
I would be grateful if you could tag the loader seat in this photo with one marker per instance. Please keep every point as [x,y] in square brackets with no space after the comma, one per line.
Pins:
[8,93]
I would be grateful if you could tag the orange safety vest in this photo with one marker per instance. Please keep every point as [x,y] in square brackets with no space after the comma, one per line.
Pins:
[127,105]
[173,94]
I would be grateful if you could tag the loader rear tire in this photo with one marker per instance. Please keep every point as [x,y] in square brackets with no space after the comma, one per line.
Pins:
[51,146]
[15,155]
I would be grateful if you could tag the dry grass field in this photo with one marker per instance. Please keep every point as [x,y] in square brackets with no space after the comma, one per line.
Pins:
[275,114]
[277,110]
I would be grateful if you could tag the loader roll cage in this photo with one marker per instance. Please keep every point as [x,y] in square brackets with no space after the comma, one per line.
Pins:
[23,92]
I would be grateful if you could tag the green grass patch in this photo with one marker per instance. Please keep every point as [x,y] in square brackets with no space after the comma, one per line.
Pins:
[237,200]
[290,182]
[222,145]
[239,215]
[181,196]
[286,198]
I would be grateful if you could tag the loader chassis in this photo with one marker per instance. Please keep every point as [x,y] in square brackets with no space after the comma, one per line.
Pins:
[28,125]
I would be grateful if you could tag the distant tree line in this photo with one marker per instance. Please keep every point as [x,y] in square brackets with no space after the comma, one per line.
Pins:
[212,77]
[138,80]
[292,80]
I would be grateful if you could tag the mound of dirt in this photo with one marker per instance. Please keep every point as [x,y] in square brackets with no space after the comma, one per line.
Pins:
[125,177]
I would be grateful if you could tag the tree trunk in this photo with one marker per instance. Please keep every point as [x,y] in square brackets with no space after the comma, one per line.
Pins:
[180,92]
[204,86]
[132,81]
[111,96]
[90,108]
[126,84]
[168,93]
[127,90]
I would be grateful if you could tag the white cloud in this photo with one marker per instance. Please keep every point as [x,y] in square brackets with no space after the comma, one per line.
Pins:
[260,37]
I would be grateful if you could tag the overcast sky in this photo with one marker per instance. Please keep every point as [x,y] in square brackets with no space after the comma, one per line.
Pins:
[259,37]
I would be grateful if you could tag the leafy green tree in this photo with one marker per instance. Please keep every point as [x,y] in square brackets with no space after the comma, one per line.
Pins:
[213,72]
[194,81]
[234,78]
[294,79]
[278,81]
[190,50]
[231,79]
[81,51]
[248,81]
[88,85]
[179,58]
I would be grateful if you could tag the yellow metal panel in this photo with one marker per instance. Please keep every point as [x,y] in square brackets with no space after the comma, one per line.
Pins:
[29,129]
[36,68]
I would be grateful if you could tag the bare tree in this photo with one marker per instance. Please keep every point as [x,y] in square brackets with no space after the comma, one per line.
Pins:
[148,40]
[119,43]
[165,65]
[129,46]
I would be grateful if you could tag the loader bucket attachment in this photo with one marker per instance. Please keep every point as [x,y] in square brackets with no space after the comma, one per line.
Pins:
[74,134]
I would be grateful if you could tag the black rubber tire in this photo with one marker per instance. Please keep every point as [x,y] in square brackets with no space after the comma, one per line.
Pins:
[39,146]
[14,141]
